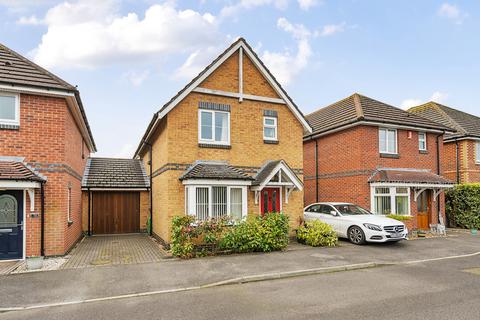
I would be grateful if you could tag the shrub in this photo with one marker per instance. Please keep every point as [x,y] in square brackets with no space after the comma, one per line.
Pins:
[317,234]
[463,206]
[257,234]
[187,235]
[399,217]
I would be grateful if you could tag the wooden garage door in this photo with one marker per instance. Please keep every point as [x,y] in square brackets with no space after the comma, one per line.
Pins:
[116,212]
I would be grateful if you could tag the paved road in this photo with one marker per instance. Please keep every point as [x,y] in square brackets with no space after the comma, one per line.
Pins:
[430,290]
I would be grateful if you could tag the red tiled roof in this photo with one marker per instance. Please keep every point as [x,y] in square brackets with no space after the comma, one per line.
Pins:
[406,176]
[14,170]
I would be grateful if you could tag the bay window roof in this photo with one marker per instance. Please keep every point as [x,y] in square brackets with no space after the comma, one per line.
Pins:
[419,177]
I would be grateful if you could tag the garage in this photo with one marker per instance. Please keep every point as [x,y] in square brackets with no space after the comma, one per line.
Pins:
[115,196]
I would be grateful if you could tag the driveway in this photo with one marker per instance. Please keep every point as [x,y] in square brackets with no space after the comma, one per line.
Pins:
[114,250]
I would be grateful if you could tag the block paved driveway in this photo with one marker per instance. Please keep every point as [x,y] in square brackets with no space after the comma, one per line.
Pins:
[114,250]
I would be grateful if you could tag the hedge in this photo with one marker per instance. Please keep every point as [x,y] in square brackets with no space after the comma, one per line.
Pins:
[463,206]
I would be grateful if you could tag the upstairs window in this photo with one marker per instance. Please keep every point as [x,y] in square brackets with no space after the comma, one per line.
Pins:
[477,152]
[9,109]
[388,141]
[214,127]
[269,128]
[422,141]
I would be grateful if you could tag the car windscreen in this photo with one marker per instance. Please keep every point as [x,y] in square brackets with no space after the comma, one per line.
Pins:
[350,209]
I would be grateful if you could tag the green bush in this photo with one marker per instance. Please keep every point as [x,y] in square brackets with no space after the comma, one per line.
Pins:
[317,234]
[399,217]
[257,234]
[463,206]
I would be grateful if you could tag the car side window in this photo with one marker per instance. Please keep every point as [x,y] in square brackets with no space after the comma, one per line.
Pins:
[314,208]
[325,209]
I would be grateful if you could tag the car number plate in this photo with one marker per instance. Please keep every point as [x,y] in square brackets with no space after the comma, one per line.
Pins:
[396,235]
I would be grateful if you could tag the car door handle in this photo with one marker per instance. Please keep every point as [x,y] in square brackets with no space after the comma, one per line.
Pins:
[6,230]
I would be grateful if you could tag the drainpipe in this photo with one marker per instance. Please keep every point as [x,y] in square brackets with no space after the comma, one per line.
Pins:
[42,218]
[438,172]
[457,155]
[316,170]
[150,162]
[89,222]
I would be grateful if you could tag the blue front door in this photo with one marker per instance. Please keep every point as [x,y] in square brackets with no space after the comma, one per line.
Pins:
[11,224]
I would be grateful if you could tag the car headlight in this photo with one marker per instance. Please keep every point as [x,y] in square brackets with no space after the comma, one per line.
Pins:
[372,227]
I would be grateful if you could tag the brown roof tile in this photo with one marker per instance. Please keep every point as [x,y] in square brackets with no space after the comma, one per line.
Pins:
[115,173]
[357,108]
[14,170]
[214,170]
[408,176]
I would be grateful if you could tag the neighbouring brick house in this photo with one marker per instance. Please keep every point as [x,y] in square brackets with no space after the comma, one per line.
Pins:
[45,141]
[377,156]
[461,150]
[228,144]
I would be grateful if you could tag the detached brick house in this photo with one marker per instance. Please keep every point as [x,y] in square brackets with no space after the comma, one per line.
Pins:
[45,141]
[228,144]
[461,150]
[378,156]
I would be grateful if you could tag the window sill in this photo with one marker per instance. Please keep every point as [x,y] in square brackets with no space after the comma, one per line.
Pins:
[214,146]
[423,151]
[9,126]
[270,141]
[390,155]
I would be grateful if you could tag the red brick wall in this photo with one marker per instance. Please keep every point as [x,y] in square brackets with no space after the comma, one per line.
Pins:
[51,142]
[347,159]
[468,168]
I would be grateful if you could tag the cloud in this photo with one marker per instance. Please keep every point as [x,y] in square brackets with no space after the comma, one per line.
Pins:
[437,96]
[231,10]
[284,65]
[452,12]
[330,30]
[136,78]
[307,4]
[126,151]
[197,61]
[88,34]
[31,20]
[23,5]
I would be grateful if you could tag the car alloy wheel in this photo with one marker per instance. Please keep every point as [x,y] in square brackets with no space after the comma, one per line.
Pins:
[356,235]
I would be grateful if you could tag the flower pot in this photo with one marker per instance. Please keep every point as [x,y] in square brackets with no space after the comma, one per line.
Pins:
[34,263]
[474,231]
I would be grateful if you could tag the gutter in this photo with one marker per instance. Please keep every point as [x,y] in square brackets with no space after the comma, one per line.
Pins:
[457,160]
[150,162]
[316,170]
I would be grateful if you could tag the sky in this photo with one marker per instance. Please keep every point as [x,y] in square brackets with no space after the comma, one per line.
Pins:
[128,57]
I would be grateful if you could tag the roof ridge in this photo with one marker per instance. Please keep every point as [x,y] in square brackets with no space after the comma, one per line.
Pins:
[438,107]
[41,69]
[358,106]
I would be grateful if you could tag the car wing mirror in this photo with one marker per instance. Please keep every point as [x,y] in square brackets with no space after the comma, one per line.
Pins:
[333,213]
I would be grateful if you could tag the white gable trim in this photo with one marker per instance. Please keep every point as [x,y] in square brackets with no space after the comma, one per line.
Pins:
[240,96]
[245,50]
[284,168]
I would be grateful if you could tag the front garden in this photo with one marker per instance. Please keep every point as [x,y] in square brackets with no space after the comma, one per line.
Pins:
[463,206]
[266,233]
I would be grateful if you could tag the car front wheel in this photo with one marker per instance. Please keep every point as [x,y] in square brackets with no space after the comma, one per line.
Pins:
[356,235]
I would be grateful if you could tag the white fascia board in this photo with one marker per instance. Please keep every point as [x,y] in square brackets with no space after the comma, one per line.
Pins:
[281,166]
[77,115]
[461,139]
[412,185]
[214,182]
[238,95]
[11,184]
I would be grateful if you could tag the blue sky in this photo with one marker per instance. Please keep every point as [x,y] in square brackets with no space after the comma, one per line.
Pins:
[129,57]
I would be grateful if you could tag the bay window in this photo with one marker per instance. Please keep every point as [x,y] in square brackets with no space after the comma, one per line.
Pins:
[387,140]
[9,109]
[214,127]
[391,200]
[216,201]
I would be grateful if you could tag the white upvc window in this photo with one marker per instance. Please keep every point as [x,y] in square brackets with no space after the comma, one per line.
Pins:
[391,200]
[270,128]
[9,109]
[477,152]
[387,140]
[216,201]
[422,141]
[214,127]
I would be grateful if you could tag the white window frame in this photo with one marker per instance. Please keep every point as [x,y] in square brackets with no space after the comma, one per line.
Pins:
[16,121]
[386,141]
[393,194]
[477,152]
[213,141]
[274,126]
[424,140]
[190,198]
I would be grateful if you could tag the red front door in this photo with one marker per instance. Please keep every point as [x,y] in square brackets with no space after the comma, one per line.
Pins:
[270,201]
